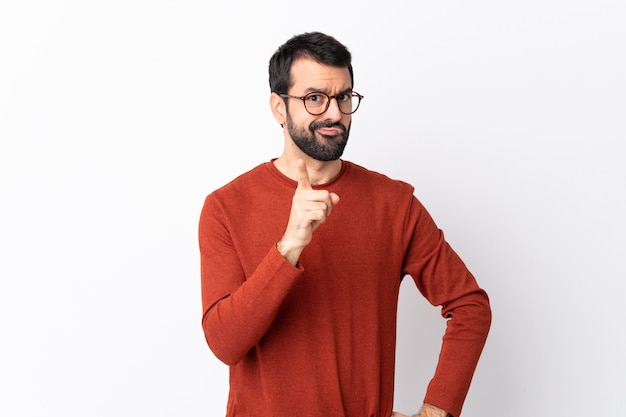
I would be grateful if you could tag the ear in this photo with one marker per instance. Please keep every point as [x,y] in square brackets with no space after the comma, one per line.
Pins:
[277,104]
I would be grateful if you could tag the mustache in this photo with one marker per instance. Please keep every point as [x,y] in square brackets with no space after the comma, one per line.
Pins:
[325,124]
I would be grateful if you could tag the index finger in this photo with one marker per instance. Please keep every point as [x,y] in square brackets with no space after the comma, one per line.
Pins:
[303,176]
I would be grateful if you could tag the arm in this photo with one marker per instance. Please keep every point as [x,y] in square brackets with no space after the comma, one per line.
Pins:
[239,309]
[445,281]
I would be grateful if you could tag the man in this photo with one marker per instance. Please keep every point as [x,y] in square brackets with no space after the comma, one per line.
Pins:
[302,259]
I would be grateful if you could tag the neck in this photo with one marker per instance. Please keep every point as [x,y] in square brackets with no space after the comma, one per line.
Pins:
[320,172]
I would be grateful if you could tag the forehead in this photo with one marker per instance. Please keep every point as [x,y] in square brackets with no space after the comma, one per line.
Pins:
[307,74]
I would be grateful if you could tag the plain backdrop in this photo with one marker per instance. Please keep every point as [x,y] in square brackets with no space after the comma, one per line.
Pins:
[117,118]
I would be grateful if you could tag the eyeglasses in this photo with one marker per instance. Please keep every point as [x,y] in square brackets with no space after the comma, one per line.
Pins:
[318,103]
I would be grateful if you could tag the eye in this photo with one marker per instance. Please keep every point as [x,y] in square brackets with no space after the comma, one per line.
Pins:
[344,97]
[314,98]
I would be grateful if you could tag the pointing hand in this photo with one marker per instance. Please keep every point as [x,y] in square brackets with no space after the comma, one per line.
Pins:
[309,209]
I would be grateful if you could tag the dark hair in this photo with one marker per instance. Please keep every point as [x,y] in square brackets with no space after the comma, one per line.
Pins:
[324,49]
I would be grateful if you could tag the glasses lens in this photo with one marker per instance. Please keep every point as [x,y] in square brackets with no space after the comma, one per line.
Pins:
[316,103]
[348,103]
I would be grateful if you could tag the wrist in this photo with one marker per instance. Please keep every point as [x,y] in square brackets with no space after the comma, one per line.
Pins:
[291,254]
[429,410]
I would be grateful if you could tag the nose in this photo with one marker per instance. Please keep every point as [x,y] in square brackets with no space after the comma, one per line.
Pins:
[333,112]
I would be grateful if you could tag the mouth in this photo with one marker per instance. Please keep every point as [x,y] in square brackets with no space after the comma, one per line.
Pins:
[330,131]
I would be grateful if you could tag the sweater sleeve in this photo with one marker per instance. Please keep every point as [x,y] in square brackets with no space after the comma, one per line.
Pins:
[237,309]
[445,281]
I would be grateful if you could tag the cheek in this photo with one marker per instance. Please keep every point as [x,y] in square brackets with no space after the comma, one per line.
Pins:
[300,120]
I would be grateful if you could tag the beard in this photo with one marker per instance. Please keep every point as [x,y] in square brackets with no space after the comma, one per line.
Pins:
[326,148]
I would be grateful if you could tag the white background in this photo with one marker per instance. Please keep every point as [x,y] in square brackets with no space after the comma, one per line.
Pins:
[118,117]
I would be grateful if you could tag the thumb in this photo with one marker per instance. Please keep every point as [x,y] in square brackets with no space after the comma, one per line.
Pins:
[334,199]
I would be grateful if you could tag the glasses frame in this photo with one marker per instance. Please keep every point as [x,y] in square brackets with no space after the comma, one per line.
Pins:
[304,97]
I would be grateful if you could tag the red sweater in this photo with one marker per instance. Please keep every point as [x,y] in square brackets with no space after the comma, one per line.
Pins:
[319,340]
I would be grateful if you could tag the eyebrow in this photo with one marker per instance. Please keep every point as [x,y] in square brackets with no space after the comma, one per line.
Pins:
[320,90]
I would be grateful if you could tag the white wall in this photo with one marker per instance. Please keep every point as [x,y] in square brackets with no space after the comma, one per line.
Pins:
[118,117]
